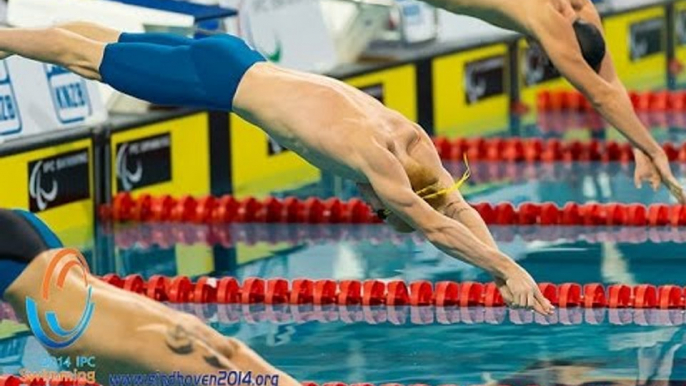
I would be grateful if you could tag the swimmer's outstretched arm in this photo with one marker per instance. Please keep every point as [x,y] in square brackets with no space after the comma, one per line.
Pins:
[645,171]
[459,210]
[390,182]
[132,334]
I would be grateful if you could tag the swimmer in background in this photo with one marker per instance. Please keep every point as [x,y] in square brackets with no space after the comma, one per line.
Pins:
[330,124]
[571,34]
[128,333]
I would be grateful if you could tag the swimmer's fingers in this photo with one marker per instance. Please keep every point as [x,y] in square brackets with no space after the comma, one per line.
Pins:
[655,183]
[539,308]
[677,191]
[662,165]
[543,305]
[648,174]
[531,302]
[504,290]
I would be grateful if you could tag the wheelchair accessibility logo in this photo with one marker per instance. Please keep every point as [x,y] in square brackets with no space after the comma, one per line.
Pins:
[69,94]
[10,119]
[60,337]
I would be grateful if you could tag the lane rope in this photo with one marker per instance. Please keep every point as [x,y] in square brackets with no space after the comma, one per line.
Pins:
[254,290]
[227,209]
[539,150]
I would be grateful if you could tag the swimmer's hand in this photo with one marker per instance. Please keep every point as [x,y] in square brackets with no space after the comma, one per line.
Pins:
[519,290]
[656,171]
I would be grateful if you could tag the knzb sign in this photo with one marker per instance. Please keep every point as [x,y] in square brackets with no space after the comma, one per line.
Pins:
[69,94]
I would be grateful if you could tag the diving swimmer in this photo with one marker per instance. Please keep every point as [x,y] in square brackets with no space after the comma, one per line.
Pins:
[571,34]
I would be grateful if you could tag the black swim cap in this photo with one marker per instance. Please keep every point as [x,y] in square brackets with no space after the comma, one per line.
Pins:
[591,43]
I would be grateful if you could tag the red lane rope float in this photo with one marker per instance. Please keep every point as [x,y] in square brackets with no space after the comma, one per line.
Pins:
[571,100]
[591,214]
[396,293]
[226,209]
[538,150]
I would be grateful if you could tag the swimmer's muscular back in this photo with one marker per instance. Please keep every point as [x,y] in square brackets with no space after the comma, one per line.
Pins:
[331,124]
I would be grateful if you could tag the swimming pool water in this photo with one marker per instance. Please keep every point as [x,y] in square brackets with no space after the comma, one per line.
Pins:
[401,350]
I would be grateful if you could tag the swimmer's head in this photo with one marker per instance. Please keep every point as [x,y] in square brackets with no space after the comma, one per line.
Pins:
[591,43]
[424,181]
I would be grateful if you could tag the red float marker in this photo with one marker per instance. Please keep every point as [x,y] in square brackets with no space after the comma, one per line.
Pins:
[324,291]
[421,293]
[350,292]
[446,293]
[594,296]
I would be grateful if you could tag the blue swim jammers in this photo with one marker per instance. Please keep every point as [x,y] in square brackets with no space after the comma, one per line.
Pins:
[168,69]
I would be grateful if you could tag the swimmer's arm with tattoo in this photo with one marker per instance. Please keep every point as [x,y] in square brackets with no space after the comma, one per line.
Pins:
[605,91]
[461,211]
[389,180]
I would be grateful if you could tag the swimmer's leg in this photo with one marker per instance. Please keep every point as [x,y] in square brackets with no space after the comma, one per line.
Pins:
[88,30]
[205,73]
[104,34]
[100,33]
[56,46]
[91,31]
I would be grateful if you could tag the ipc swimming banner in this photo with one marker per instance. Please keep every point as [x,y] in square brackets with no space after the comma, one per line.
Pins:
[167,157]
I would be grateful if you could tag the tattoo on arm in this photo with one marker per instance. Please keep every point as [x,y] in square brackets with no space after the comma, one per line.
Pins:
[180,341]
[455,213]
